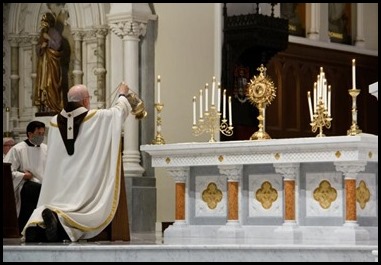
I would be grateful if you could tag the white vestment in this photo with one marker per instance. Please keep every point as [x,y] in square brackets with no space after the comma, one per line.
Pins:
[25,157]
[83,188]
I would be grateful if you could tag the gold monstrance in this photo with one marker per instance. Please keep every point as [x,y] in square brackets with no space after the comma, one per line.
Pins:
[261,92]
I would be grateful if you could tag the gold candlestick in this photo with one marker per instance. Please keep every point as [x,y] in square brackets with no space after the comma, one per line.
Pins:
[320,119]
[354,129]
[159,138]
[209,124]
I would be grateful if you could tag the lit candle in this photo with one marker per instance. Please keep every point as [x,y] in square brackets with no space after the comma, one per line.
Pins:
[158,89]
[219,98]
[224,105]
[213,89]
[206,97]
[201,110]
[329,100]
[310,105]
[7,118]
[194,110]
[315,97]
[230,111]
[353,74]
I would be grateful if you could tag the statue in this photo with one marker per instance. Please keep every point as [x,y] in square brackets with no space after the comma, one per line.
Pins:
[47,92]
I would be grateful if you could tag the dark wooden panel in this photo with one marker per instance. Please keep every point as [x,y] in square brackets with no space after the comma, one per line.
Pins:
[10,223]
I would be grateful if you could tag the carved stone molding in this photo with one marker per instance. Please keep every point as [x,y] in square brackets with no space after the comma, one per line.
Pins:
[77,34]
[288,171]
[179,174]
[233,172]
[350,169]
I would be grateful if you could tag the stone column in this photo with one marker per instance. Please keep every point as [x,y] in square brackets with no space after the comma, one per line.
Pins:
[33,75]
[100,71]
[289,173]
[130,31]
[350,171]
[77,69]
[180,175]
[359,38]
[15,79]
[234,175]
[314,24]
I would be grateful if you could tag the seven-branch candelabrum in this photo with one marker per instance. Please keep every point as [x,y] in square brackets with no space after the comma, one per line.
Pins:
[320,113]
[159,138]
[210,118]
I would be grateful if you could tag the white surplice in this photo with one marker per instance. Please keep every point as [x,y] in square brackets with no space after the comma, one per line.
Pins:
[83,188]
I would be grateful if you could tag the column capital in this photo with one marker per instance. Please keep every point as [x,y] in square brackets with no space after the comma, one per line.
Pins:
[350,169]
[288,171]
[233,172]
[179,174]
[130,27]
[77,34]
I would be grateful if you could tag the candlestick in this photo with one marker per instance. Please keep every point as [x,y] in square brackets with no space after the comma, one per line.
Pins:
[329,100]
[159,139]
[206,97]
[219,98]
[213,89]
[224,105]
[353,74]
[194,110]
[315,97]
[230,111]
[310,105]
[201,104]
[7,110]
[158,88]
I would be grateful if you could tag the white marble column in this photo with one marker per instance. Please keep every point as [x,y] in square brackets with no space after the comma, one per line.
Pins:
[77,71]
[359,38]
[15,79]
[100,71]
[130,31]
[313,25]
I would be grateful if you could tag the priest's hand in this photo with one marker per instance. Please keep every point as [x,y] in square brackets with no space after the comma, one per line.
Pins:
[123,89]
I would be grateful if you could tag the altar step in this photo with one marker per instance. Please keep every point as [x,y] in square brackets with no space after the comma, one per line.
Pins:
[151,248]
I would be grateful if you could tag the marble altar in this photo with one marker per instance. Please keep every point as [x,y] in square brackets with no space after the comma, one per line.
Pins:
[303,190]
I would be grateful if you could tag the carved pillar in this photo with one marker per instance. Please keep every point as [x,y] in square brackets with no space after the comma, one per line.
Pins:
[130,31]
[180,175]
[33,75]
[234,175]
[77,69]
[289,173]
[350,171]
[100,71]
[359,38]
[15,78]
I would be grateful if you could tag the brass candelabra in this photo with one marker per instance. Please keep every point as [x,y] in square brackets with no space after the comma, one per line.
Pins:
[210,124]
[320,119]
[159,138]
[354,129]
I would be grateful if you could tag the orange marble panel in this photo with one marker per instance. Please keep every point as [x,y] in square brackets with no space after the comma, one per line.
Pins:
[232,200]
[289,191]
[350,200]
[180,201]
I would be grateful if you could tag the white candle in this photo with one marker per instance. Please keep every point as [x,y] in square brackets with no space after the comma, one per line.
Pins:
[213,89]
[329,100]
[7,119]
[230,111]
[158,89]
[315,97]
[310,105]
[325,93]
[201,109]
[194,110]
[224,105]
[219,98]
[353,74]
[206,97]
[318,89]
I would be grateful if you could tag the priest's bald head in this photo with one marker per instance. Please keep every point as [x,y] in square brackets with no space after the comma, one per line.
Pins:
[79,93]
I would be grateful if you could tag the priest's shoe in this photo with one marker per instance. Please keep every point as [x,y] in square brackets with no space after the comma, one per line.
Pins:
[35,234]
[51,223]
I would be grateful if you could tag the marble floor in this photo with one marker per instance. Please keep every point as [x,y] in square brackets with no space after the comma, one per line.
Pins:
[150,247]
